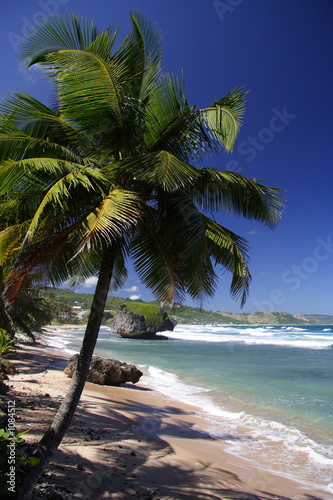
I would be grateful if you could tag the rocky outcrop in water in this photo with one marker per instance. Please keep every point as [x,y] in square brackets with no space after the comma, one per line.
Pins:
[134,326]
[104,371]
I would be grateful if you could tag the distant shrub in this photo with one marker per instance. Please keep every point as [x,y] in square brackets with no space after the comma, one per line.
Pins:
[152,312]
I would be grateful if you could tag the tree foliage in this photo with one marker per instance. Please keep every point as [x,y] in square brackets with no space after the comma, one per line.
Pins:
[113,161]
[113,171]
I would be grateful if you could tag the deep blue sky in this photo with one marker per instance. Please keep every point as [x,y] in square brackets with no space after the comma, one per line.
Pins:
[281,50]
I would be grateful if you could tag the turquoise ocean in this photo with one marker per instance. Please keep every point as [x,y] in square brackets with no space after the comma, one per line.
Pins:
[265,391]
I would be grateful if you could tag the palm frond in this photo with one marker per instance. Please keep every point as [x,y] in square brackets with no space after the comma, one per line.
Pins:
[29,117]
[231,251]
[159,170]
[171,124]
[188,133]
[15,174]
[142,54]
[87,263]
[75,250]
[189,243]
[11,239]
[103,43]
[90,95]
[43,261]
[118,213]
[56,33]
[56,199]
[155,261]
[6,321]
[17,147]
[221,190]
[224,118]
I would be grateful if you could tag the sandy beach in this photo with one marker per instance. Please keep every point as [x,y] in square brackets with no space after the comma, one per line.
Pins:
[132,442]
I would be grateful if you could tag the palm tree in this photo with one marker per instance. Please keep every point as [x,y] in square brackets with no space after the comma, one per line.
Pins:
[27,313]
[108,175]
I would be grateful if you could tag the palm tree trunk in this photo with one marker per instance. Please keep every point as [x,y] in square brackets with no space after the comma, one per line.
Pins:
[58,428]
[5,319]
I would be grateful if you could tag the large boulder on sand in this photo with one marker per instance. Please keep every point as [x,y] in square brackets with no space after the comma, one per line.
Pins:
[104,371]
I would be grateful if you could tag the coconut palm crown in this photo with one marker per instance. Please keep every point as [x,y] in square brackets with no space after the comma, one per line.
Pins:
[114,161]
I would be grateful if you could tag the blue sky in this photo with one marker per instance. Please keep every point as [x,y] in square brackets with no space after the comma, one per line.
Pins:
[282,52]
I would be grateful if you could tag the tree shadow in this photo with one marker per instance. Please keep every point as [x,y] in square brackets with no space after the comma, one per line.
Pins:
[29,360]
[310,497]
[136,387]
[117,449]
[127,475]
[113,451]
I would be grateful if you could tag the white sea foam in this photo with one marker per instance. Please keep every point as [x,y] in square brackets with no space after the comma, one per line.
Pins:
[286,336]
[301,344]
[287,450]
[60,343]
[294,329]
[173,387]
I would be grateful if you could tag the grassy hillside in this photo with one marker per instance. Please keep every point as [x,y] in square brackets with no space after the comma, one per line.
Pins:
[198,316]
[319,319]
[192,315]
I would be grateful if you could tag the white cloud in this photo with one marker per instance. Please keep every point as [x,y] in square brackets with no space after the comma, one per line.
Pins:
[92,281]
[251,232]
[132,289]
[135,297]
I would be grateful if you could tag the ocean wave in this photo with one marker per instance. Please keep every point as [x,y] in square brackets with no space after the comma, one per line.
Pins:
[57,341]
[172,386]
[270,444]
[300,344]
[294,329]
[60,343]
[254,335]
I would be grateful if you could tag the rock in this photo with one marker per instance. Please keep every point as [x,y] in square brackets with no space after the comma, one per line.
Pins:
[134,326]
[106,316]
[106,371]
[7,367]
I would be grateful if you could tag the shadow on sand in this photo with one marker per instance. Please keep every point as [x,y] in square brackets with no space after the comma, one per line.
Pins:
[115,449]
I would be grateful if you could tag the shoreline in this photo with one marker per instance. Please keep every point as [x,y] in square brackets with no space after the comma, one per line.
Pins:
[162,444]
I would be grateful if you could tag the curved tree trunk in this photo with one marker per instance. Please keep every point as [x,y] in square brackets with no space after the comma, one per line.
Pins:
[5,320]
[58,428]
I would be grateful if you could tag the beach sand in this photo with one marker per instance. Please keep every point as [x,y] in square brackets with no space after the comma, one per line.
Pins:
[132,442]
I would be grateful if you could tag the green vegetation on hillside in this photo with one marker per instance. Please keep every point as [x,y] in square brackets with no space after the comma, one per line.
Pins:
[182,314]
[151,311]
[318,319]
